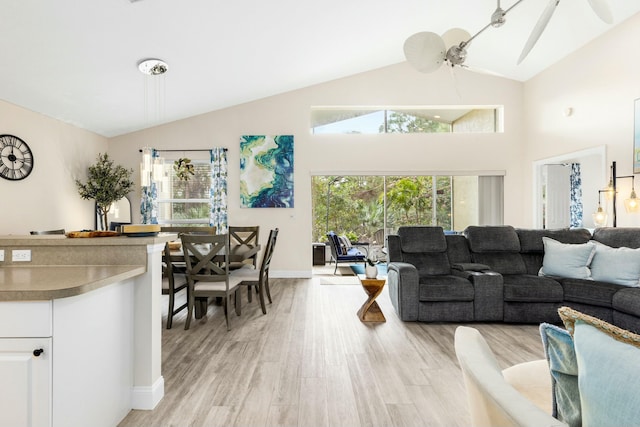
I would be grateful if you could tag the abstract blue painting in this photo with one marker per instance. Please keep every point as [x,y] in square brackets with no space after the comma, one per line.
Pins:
[266,171]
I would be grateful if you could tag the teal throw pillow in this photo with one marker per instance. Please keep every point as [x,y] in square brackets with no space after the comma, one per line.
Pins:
[560,354]
[566,260]
[608,370]
[616,265]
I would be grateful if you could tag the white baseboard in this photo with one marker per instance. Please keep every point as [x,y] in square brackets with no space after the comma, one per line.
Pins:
[147,398]
[290,274]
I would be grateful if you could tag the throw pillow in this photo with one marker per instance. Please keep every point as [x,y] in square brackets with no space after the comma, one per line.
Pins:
[566,260]
[559,352]
[616,265]
[608,370]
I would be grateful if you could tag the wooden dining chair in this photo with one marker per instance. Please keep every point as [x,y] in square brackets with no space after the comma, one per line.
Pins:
[244,235]
[174,278]
[258,278]
[207,261]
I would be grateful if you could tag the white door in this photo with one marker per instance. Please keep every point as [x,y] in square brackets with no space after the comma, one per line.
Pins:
[25,388]
[558,196]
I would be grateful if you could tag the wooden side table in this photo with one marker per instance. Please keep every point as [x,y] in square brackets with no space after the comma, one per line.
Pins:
[370,310]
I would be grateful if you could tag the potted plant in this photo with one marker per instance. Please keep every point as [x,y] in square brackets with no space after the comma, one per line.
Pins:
[370,268]
[105,184]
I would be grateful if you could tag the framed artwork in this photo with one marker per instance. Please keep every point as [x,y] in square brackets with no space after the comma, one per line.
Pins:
[266,171]
[636,137]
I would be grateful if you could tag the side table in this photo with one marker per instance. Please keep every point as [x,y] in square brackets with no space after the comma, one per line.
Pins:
[370,310]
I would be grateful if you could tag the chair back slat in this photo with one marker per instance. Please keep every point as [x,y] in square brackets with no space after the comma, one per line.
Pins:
[268,253]
[206,257]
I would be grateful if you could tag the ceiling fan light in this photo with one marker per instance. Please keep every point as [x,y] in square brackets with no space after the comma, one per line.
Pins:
[454,37]
[425,51]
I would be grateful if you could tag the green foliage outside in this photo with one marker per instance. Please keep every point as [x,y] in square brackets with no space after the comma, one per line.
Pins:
[356,204]
[398,122]
[105,184]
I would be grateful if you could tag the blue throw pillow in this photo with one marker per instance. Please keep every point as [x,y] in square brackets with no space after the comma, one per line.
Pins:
[560,354]
[616,265]
[608,367]
[567,260]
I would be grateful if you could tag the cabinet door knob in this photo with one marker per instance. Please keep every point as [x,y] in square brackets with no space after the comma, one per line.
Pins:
[37,352]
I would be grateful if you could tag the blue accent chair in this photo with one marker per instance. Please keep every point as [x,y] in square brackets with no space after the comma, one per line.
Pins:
[342,253]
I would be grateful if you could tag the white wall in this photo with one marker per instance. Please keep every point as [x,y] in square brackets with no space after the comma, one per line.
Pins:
[48,198]
[600,83]
[289,113]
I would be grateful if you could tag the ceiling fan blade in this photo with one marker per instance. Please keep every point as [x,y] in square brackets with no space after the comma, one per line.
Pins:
[602,9]
[425,51]
[538,29]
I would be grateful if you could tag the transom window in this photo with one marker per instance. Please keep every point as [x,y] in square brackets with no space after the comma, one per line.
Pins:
[370,120]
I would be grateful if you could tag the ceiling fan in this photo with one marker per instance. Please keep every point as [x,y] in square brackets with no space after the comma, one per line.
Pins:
[426,51]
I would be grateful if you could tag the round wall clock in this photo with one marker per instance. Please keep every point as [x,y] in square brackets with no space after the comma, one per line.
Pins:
[16,159]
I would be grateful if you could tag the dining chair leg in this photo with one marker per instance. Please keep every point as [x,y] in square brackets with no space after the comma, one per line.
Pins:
[266,288]
[226,311]
[260,289]
[249,298]
[191,303]
[170,312]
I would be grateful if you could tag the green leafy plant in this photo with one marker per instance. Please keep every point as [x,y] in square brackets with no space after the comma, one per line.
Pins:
[183,168]
[105,184]
[352,236]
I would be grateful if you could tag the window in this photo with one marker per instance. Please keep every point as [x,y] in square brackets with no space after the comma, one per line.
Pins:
[184,202]
[368,207]
[359,120]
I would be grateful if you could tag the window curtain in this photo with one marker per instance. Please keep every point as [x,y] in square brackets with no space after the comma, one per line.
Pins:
[490,200]
[575,205]
[218,191]
[149,197]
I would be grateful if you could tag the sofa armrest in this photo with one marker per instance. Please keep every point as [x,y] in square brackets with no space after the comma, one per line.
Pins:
[470,266]
[402,280]
[488,298]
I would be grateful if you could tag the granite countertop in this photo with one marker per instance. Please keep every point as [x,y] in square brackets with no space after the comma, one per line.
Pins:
[41,283]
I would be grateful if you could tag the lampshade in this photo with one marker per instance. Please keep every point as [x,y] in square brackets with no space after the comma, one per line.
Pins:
[632,203]
[600,217]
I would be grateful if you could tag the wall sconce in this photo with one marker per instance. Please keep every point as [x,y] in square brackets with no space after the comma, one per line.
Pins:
[600,216]
[632,204]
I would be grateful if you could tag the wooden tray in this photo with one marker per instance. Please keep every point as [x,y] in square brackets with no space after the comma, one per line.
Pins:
[74,234]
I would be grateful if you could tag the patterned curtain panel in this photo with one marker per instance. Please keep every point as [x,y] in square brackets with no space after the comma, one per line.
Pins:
[218,192]
[575,206]
[149,198]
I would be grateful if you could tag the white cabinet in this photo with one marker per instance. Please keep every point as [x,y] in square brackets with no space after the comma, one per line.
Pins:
[25,389]
[25,363]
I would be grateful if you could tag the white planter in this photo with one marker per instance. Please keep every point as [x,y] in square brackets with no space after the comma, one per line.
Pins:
[370,271]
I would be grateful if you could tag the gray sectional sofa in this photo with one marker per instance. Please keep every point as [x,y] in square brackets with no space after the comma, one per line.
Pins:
[493,273]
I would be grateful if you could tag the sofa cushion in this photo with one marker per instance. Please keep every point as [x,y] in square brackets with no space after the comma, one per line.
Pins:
[457,249]
[529,288]
[608,372]
[618,237]
[531,240]
[429,263]
[590,292]
[418,239]
[627,300]
[616,265]
[567,260]
[560,354]
[445,288]
[503,263]
[492,239]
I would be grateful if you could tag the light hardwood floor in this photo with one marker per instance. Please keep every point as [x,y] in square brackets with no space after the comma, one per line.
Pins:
[310,362]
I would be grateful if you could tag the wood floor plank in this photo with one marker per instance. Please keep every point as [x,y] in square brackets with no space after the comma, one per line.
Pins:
[310,361]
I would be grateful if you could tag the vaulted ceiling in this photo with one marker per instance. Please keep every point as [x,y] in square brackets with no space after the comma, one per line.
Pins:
[76,61]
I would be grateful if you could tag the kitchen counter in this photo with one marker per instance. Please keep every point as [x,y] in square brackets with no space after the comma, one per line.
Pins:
[92,310]
[39,283]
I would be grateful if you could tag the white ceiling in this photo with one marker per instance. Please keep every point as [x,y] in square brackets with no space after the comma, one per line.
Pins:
[77,61]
